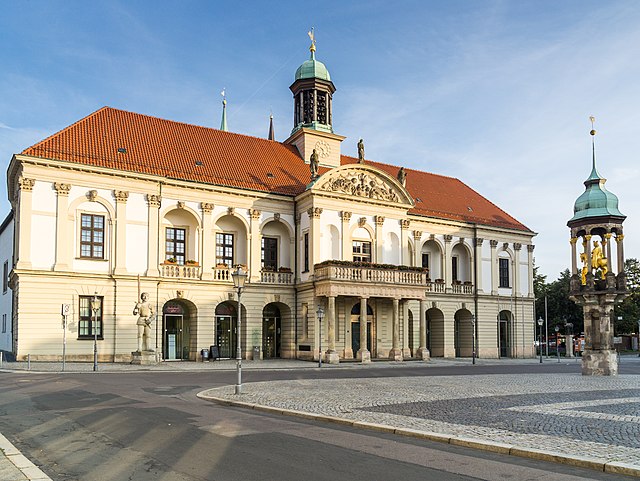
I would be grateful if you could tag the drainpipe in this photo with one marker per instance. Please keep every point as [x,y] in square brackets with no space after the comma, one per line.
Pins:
[158,263]
[295,278]
[475,286]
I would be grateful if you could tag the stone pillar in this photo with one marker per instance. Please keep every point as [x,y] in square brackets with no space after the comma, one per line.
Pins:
[423,350]
[63,241]
[494,267]
[417,251]
[121,197]
[153,234]
[207,241]
[406,349]
[404,242]
[348,347]
[255,246]
[314,237]
[478,262]
[530,249]
[347,251]
[448,270]
[569,345]
[363,353]
[586,244]
[620,251]
[574,257]
[396,353]
[607,239]
[331,355]
[23,224]
[516,269]
[379,222]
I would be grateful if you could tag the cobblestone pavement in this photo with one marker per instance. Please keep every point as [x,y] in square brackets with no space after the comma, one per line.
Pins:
[597,418]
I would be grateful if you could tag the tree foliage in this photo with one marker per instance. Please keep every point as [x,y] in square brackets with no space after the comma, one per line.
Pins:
[629,309]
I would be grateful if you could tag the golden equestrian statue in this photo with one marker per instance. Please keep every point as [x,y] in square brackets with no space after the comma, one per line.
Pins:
[598,260]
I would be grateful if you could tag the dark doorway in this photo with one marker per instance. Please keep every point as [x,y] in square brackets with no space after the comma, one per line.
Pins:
[271,331]
[226,329]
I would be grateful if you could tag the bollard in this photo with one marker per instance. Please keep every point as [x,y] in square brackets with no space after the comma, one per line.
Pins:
[1,358]
[28,362]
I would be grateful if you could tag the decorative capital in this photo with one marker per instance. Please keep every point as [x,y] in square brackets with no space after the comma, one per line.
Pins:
[607,235]
[121,195]
[417,234]
[153,200]
[26,184]
[378,219]
[298,218]
[620,238]
[92,195]
[345,216]
[505,246]
[206,207]
[314,212]
[231,211]
[587,237]
[517,246]
[448,238]
[493,243]
[276,216]
[530,247]
[362,221]
[254,214]
[573,240]
[405,223]
[180,204]
[62,189]
[477,242]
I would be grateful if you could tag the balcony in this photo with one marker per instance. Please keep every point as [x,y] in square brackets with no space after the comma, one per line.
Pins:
[177,271]
[437,287]
[370,273]
[281,278]
[466,288]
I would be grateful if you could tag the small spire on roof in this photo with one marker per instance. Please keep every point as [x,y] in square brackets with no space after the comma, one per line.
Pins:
[223,123]
[594,171]
[272,135]
[312,48]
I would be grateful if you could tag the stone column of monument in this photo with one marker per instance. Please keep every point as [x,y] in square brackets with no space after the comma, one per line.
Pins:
[597,288]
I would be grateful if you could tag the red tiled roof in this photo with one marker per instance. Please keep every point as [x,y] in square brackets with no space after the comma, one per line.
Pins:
[201,154]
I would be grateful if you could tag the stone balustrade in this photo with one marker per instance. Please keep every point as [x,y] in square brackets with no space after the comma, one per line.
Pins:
[276,277]
[177,271]
[371,275]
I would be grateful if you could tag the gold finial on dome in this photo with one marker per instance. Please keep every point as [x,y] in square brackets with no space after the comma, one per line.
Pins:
[592,119]
[312,36]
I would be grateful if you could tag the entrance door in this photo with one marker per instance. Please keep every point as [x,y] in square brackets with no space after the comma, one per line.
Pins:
[355,337]
[226,336]
[271,337]
[504,338]
[456,337]
[174,337]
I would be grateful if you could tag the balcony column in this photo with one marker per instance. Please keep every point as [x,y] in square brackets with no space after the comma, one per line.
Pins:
[331,355]
[121,197]
[363,353]
[255,245]
[574,259]
[404,242]
[406,348]
[448,269]
[63,241]
[208,243]
[153,234]
[620,251]
[347,252]
[314,237]
[423,351]
[396,353]
[417,248]
[494,267]
[379,222]
[478,263]
[516,269]
[530,249]
[607,239]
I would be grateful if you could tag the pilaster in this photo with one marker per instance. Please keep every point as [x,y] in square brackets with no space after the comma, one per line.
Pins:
[153,234]
[208,242]
[255,245]
[121,197]
[314,236]
[346,244]
[379,222]
[516,269]
[494,267]
[448,270]
[478,263]
[63,242]
[404,242]
[23,226]
[417,253]
[530,249]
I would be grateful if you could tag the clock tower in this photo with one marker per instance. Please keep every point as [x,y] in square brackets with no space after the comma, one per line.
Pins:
[313,110]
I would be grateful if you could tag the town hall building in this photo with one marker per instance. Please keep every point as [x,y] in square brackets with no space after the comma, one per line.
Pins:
[404,264]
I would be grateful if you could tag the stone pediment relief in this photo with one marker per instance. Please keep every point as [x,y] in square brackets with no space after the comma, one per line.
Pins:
[363,182]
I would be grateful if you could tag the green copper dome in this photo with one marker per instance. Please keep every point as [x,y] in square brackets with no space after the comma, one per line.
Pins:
[596,200]
[312,68]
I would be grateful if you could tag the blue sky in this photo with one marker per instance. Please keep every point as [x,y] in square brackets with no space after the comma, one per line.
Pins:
[496,93]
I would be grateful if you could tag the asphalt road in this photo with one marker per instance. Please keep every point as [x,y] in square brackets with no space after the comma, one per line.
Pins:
[151,426]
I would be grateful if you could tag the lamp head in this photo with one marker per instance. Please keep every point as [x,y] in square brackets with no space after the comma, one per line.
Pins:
[540,321]
[239,277]
[557,328]
[95,302]
[320,312]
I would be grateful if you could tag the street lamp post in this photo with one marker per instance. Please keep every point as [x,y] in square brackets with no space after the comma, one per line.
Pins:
[557,329]
[320,315]
[473,339]
[540,321]
[95,307]
[239,278]
[638,337]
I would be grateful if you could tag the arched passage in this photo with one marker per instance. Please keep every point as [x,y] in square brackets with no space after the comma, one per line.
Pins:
[435,332]
[276,318]
[227,328]
[355,328]
[463,334]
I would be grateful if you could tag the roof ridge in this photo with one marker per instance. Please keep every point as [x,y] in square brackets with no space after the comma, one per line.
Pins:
[408,169]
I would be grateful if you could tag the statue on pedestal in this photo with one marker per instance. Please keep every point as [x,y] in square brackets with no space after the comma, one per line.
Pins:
[146,315]
[360,152]
[313,164]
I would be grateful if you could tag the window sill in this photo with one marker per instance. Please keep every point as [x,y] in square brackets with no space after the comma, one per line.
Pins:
[90,338]
[91,259]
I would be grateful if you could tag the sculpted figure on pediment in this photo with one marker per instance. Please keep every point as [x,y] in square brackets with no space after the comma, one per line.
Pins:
[360,184]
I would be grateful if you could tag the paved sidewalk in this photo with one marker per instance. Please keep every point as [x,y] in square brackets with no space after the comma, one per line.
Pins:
[592,422]
[15,467]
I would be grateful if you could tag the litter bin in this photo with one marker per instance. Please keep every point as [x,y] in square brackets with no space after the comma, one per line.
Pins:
[205,354]
[213,353]
[256,353]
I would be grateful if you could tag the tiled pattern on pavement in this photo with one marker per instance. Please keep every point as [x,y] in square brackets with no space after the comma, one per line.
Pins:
[554,413]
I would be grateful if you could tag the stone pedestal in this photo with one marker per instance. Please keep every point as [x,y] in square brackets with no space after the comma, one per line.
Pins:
[600,363]
[395,355]
[406,353]
[144,358]
[423,354]
[569,345]
[332,357]
[364,356]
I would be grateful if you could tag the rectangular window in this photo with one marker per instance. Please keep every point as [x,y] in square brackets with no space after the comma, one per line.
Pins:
[454,268]
[270,253]
[90,320]
[92,236]
[361,251]
[306,252]
[5,279]
[4,323]
[425,260]
[503,272]
[175,245]
[224,249]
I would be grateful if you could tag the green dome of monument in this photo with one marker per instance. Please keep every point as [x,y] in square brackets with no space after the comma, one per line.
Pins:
[313,68]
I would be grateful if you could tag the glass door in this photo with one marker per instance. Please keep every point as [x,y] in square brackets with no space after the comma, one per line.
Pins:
[226,336]
[173,336]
